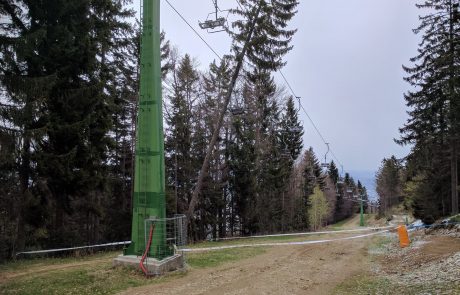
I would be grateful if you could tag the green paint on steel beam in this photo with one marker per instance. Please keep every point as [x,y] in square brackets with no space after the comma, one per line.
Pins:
[361,213]
[149,175]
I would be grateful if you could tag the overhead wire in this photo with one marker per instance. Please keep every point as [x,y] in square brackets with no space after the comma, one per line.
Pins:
[302,107]
[239,4]
[191,27]
[281,73]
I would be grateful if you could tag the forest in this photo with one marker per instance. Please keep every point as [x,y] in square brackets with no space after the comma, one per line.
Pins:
[69,73]
[426,181]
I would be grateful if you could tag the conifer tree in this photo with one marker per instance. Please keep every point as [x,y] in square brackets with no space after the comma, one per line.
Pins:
[55,64]
[23,91]
[261,36]
[433,126]
[312,177]
[333,172]
[242,169]
[291,145]
[388,184]
[260,90]
[215,188]
[292,130]
[242,176]
[313,172]
[179,139]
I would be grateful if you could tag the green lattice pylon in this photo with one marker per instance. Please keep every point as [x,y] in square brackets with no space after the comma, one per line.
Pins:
[149,175]
[361,212]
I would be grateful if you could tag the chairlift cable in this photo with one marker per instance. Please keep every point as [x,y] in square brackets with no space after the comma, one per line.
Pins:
[308,116]
[193,29]
[281,73]
[239,4]
[301,106]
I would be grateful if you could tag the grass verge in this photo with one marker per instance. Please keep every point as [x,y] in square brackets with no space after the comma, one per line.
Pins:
[216,258]
[378,244]
[339,225]
[98,278]
[95,274]
[25,264]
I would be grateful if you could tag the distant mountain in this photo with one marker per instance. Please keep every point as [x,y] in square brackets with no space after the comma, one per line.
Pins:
[367,178]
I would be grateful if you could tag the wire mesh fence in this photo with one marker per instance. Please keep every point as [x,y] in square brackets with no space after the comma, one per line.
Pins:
[165,235]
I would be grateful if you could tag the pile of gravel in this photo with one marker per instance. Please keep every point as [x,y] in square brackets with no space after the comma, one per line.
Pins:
[447,230]
[434,272]
[413,269]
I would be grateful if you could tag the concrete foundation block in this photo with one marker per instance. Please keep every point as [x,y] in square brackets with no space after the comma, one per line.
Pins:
[155,267]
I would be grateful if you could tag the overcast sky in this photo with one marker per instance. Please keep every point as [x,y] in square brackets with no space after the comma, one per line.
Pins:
[345,65]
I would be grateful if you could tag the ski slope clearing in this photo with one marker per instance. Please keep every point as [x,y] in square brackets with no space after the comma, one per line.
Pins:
[306,269]
[367,265]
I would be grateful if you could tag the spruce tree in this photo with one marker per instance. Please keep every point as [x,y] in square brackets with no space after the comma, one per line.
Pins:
[292,130]
[242,176]
[388,184]
[433,126]
[290,146]
[62,52]
[312,177]
[261,36]
[260,91]
[24,88]
[333,172]
[179,135]
[215,190]
[242,169]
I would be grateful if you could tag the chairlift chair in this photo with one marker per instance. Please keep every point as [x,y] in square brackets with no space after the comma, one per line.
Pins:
[214,23]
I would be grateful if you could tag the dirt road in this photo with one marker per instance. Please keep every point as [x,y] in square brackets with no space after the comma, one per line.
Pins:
[307,269]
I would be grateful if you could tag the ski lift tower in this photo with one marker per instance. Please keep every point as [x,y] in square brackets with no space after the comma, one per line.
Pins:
[326,164]
[361,210]
[150,228]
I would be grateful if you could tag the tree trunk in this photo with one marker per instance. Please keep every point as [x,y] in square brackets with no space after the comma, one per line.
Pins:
[215,135]
[24,175]
[453,108]
[454,177]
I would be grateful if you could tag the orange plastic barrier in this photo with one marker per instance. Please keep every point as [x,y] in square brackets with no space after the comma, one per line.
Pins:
[403,236]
